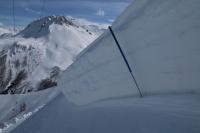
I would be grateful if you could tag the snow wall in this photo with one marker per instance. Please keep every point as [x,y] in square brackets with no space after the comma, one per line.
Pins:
[161,42]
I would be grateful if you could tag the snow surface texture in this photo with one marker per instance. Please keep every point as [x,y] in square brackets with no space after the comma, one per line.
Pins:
[9,126]
[159,114]
[41,51]
[10,115]
[160,40]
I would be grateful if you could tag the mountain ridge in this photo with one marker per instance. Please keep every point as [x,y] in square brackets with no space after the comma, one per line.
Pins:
[32,59]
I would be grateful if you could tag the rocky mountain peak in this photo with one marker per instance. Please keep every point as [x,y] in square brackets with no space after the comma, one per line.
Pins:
[40,27]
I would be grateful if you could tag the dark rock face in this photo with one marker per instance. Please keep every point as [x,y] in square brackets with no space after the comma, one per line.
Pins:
[15,84]
[16,63]
[51,81]
[16,67]
[46,83]
[5,74]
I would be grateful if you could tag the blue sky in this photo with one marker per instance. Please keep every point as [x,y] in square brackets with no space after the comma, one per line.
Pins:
[101,11]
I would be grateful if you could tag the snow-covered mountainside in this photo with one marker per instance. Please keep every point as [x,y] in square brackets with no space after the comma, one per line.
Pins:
[32,59]
[6,32]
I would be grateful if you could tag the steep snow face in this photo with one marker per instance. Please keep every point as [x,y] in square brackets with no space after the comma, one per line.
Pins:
[160,40]
[40,52]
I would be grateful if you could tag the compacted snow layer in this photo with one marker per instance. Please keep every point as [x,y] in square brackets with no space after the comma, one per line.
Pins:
[158,114]
[160,39]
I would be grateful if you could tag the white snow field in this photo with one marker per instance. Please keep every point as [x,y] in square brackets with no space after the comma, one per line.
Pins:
[159,114]
[160,40]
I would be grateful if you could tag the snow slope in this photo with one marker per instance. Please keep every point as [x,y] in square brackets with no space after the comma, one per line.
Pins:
[11,116]
[159,114]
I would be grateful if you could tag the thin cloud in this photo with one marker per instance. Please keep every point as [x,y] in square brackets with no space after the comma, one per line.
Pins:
[1,24]
[32,11]
[100,12]
[111,20]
